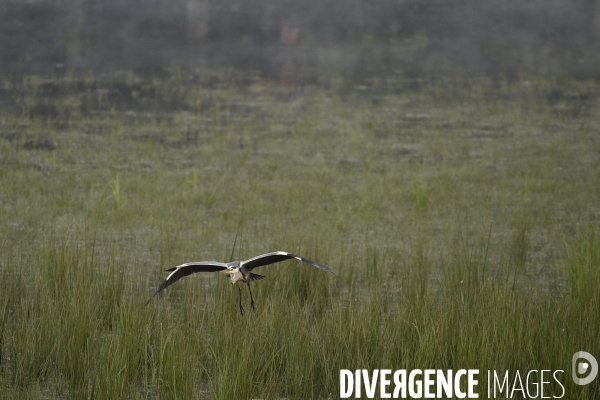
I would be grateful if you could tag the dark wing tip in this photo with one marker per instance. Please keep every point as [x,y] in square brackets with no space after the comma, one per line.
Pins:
[324,268]
[151,297]
[311,262]
[161,287]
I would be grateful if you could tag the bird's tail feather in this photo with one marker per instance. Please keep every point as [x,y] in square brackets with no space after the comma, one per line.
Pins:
[256,277]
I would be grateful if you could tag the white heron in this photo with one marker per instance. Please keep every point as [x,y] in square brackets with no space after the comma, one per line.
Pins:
[237,271]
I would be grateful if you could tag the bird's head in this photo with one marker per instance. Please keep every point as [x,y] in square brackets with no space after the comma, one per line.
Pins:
[229,272]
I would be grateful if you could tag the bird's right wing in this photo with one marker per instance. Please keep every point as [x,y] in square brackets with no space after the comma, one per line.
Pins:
[186,269]
[277,256]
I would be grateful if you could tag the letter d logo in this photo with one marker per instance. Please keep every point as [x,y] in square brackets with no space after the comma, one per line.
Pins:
[582,367]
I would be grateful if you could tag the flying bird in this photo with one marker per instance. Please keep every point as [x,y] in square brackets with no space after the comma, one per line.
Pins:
[237,271]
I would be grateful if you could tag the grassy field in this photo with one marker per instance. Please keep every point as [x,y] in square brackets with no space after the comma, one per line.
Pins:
[462,217]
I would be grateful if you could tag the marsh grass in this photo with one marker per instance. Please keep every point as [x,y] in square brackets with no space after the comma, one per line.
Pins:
[450,253]
[81,333]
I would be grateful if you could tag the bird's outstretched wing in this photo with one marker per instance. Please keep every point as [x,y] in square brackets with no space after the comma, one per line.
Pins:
[186,269]
[277,256]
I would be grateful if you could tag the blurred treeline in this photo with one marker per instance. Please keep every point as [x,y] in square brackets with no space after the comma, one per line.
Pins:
[303,41]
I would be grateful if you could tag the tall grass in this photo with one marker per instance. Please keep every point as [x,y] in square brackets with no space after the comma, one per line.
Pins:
[79,332]
[449,255]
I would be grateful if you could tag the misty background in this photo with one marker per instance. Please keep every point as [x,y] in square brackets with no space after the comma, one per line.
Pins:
[296,42]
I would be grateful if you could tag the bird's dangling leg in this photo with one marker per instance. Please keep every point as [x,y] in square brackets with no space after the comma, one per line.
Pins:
[251,298]
[241,307]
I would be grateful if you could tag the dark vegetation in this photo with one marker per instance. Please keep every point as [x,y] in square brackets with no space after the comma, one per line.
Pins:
[313,40]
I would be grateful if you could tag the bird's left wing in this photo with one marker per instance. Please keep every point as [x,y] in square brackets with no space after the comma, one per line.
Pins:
[277,256]
[186,269]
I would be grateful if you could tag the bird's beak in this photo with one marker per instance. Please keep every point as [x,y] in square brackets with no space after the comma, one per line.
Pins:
[227,272]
